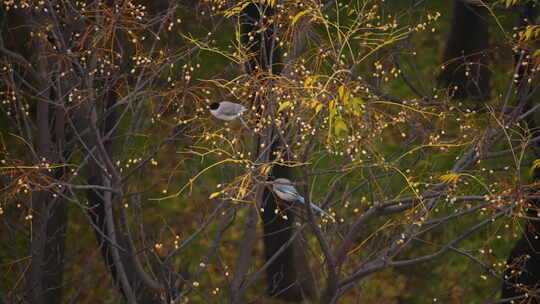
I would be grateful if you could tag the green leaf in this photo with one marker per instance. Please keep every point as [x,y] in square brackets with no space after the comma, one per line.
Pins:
[340,126]
[358,100]
[284,105]
[356,104]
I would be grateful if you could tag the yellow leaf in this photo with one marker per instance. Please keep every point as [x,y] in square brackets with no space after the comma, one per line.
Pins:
[214,195]
[536,164]
[265,169]
[283,105]
[450,177]
[331,109]
[318,108]
[344,94]
[509,3]
[236,10]
[526,34]
[309,80]
[241,192]
[341,92]
[298,16]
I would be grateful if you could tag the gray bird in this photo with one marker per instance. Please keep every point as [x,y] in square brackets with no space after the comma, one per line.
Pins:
[284,189]
[228,111]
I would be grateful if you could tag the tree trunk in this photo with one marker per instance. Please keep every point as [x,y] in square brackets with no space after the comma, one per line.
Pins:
[465,55]
[44,277]
[49,214]
[49,217]
[282,274]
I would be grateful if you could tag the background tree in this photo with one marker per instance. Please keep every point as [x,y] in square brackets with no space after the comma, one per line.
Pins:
[466,53]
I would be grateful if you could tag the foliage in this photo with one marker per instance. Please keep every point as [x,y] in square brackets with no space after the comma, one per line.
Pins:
[429,192]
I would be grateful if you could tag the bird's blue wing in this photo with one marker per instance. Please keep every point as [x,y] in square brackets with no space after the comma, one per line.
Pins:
[287,189]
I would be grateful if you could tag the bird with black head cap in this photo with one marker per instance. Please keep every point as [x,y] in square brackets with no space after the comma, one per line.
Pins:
[226,110]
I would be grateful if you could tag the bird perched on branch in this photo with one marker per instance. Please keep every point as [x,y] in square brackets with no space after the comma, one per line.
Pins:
[226,110]
[285,190]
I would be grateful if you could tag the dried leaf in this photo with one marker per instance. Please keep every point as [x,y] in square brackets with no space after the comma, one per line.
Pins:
[214,195]
[298,16]
[535,164]
[449,178]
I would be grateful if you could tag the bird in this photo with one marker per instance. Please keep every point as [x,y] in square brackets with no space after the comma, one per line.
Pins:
[285,190]
[226,110]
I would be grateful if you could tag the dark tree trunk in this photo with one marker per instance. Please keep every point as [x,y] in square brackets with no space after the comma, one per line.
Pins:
[266,58]
[49,213]
[465,56]
[282,277]
[44,278]
[49,217]
[54,250]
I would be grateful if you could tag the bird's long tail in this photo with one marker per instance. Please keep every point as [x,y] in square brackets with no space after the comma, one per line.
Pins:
[315,208]
[318,209]
[245,124]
